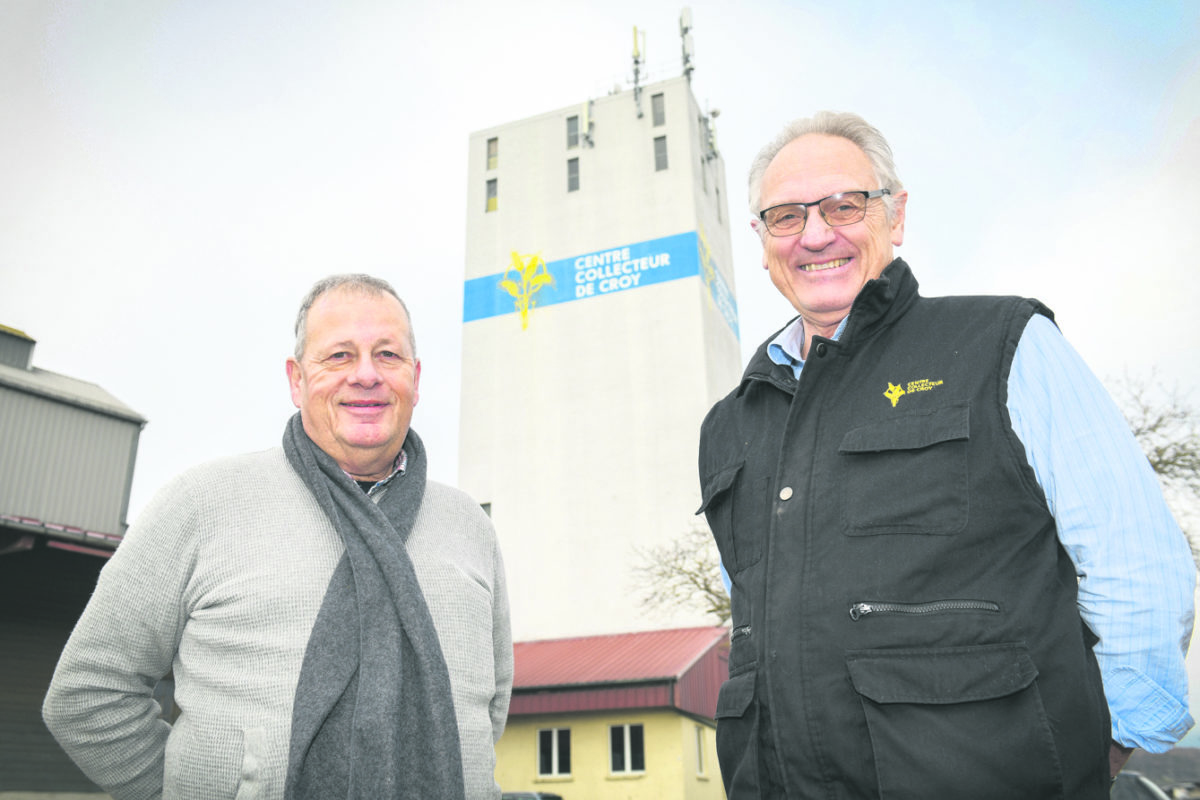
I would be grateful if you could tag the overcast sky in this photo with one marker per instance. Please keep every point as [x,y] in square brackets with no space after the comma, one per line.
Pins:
[174,175]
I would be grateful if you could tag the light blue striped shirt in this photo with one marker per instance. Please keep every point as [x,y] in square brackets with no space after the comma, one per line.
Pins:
[1136,575]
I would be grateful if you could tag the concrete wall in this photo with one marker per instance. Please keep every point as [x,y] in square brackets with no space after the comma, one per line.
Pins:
[580,423]
[670,748]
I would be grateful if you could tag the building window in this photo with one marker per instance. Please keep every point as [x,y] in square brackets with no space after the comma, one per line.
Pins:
[658,110]
[491,195]
[699,750]
[572,132]
[493,153]
[660,153]
[572,174]
[627,748]
[554,751]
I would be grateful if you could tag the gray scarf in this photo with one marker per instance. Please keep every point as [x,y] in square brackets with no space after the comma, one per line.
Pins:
[373,717]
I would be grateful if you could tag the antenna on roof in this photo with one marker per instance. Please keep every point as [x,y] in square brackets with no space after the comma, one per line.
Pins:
[637,68]
[710,126]
[585,129]
[685,33]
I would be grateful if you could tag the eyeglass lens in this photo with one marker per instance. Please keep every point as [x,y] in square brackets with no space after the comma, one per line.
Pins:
[839,209]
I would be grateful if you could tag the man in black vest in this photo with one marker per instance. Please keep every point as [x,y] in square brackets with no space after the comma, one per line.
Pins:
[951,569]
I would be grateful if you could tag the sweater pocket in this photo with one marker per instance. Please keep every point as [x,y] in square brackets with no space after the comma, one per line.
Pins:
[216,762]
[956,722]
[906,474]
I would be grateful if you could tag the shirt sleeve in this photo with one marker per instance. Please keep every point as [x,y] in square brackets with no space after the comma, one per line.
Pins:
[1135,568]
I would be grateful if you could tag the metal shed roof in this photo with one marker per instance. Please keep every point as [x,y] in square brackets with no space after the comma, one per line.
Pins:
[68,390]
[681,668]
[618,658]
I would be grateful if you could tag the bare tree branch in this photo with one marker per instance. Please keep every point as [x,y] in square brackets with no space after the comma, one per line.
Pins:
[1168,431]
[684,573]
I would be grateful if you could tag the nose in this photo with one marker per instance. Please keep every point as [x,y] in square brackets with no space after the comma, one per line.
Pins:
[365,372]
[817,233]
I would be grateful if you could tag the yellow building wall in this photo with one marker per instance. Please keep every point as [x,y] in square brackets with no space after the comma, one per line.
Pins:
[673,765]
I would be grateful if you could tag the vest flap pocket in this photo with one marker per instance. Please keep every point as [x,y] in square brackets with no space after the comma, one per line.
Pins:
[980,704]
[910,432]
[906,474]
[733,512]
[735,696]
[717,484]
[941,676]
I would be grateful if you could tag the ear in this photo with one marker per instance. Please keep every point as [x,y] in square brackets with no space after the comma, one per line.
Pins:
[416,381]
[898,219]
[756,225]
[295,377]
[759,227]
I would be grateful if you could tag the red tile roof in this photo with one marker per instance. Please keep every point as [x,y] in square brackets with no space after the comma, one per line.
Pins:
[618,658]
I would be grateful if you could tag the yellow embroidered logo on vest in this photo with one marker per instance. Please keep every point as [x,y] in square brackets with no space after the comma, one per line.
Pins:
[895,391]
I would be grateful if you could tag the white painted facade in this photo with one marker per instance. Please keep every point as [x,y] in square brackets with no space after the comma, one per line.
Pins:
[580,428]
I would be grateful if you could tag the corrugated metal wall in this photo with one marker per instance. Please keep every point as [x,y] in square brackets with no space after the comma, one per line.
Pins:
[697,689]
[15,351]
[63,464]
[562,701]
[42,594]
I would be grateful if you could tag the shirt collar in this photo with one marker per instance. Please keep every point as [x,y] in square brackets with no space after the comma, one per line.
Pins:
[785,349]
[398,467]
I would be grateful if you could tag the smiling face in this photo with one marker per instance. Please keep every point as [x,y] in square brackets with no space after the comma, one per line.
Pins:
[356,382]
[821,270]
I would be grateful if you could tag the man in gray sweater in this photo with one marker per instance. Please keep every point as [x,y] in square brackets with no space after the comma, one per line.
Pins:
[336,625]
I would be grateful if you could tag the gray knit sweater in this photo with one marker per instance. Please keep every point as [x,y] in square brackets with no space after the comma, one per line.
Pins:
[220,581]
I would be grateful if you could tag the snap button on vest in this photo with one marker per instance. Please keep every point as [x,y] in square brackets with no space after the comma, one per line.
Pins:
[821,349]
[785,493]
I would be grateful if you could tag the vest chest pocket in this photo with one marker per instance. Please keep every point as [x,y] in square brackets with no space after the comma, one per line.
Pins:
[733,516]
[907,474]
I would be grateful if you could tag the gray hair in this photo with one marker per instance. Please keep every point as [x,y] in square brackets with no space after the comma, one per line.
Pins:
[831,123]
[357,282]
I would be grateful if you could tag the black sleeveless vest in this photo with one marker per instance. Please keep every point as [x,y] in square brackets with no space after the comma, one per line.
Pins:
[904,617]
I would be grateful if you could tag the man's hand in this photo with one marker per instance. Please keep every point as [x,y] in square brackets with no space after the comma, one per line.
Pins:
[1117,756]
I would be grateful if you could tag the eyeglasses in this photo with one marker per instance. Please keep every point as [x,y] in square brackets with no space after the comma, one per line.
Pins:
[843,208]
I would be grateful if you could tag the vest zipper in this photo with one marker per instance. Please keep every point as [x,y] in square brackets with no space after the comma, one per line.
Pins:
[860,610]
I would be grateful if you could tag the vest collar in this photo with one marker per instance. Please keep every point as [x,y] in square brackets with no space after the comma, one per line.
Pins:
[880,302]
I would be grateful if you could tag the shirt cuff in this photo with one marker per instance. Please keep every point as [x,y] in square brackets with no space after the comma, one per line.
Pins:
[1143,713]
